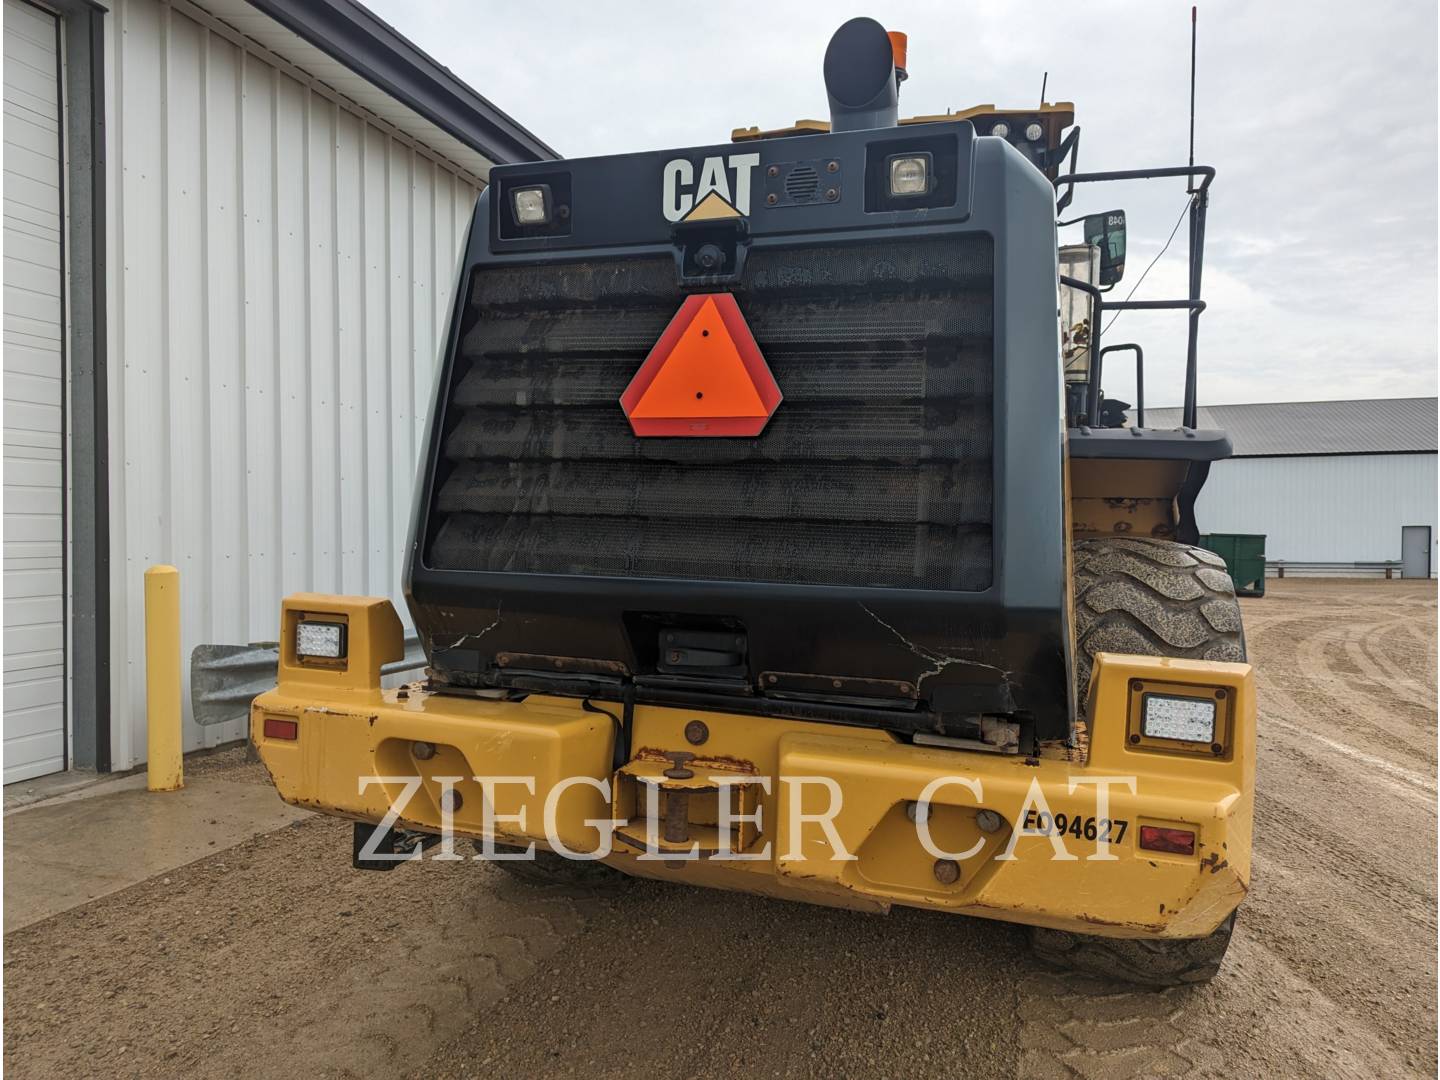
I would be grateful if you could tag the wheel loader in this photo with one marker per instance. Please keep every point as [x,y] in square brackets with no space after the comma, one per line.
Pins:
[773,533]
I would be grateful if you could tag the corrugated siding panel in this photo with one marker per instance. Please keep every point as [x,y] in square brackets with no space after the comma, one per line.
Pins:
[1321,509]
[35,680]
[282,274]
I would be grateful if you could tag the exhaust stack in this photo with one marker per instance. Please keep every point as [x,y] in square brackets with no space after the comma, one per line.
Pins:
[861,78]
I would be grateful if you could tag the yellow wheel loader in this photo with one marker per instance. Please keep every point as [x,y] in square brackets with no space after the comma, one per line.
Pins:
[773,534]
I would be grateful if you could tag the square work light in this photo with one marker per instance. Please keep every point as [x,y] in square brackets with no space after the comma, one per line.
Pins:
[319,640]
[1183,719]
[909,174]
[531,205]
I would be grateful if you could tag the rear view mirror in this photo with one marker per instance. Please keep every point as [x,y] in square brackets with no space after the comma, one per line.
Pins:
[1107,232]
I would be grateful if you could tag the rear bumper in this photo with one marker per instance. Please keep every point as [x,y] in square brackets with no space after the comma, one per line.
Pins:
[544,769]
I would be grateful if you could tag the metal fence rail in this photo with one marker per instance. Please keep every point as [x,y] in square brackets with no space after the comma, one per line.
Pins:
[1279,568]
[224,679]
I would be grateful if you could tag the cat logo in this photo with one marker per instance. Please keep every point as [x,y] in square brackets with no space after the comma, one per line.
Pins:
[713,196]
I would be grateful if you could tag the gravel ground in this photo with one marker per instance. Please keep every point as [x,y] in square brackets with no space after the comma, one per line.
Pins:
[274,959]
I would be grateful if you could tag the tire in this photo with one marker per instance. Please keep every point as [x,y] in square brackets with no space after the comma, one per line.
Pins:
[1145,962]
[1152,598]
[548,868]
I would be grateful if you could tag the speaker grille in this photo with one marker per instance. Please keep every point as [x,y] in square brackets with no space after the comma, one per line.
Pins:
[802,183]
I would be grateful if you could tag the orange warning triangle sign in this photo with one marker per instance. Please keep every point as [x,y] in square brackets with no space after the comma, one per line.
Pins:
[705,376]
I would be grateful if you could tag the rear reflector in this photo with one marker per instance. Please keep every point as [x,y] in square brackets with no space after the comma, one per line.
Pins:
[276,728]
[1177,841]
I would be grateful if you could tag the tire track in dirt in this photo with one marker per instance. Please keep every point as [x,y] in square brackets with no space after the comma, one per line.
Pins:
[1344,890]
[1303,675]
[275,958]
[682,982]
[1412,682]
[1360,766]
[1384,678]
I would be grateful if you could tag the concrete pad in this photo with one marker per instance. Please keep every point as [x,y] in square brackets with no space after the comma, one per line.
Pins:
[27,792]
[66,852]
[80,786]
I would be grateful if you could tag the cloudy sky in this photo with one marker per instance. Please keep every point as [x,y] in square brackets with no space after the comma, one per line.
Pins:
[1320,266]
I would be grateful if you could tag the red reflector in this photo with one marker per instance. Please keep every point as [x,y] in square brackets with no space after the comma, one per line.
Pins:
[281,729]
[1178,841]
[705,376]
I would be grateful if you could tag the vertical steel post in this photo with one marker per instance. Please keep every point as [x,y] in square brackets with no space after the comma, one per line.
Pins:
[162,679]
[1198,203]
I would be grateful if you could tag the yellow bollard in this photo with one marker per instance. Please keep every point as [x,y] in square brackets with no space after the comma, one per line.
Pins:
[162,679]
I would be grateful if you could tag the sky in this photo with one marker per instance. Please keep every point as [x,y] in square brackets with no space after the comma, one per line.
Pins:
[1320,117]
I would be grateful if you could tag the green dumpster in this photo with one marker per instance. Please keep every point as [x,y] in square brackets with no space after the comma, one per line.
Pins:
[1244,555]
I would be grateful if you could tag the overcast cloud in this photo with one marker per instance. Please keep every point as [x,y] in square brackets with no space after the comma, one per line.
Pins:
[1320,117]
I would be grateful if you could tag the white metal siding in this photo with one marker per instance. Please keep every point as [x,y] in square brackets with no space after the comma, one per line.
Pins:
[34,330]
[281,269]
[1321,509]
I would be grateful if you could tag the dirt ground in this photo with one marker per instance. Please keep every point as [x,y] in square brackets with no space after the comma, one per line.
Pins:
[273,958]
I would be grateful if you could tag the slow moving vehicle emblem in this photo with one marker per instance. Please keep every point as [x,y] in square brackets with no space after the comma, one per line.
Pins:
[704,377]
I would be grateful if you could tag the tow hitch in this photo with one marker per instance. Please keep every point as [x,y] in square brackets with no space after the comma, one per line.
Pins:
[401,845]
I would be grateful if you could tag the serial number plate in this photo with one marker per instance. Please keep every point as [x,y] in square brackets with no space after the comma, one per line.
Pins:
[1110,830]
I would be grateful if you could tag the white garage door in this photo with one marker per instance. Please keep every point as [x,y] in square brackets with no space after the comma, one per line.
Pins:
[34,574]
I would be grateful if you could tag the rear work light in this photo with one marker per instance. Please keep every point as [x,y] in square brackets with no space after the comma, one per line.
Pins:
[1184,719]
[531,205]
[276,728]
[910,174]
[1175,841]
[319,640]
[1171,717]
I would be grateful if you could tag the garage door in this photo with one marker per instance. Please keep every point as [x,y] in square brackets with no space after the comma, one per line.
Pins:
[34,566]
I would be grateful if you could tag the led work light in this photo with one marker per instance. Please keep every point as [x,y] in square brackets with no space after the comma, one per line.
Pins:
[320,640]
[1183,719]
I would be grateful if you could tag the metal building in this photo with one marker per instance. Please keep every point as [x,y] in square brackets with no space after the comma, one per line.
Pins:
[230,230]
[1326,482]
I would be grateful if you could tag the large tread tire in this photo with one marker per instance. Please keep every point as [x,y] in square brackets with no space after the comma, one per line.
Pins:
[1152,598]
[1142,961]
[548,868]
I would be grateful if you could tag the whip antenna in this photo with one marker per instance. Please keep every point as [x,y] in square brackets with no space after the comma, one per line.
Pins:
[1193,16]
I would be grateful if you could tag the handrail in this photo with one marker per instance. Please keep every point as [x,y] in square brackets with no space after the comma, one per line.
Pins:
[1139,375]
[1190,172]
[1199,202]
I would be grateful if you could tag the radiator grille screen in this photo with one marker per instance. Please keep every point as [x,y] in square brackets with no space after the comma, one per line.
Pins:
[875,470]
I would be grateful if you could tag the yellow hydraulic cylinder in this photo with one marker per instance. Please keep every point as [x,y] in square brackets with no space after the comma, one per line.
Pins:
[162,678]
